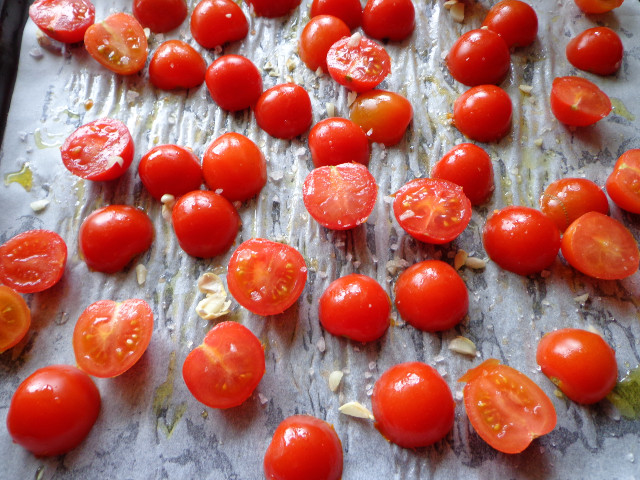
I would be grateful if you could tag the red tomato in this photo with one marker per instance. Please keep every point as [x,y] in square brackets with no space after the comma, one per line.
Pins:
[470,167]
[33,261]
[234,82]
[383,116]
[176,64]
[483,113]
[273,8]
[100,150]
[266,277]
[284,111]
[598,6]
[234,167]
[53,410]
[431,296]
[579,362]
[111,236]
[412,405]
[432,210]
[303,447]
[226,368]
[317,37]
[597,50]
[521,239]
[506,408]
[578,102]
[335,140]
[63,20]
[349,11]
[216,22]
[479,57]
[623,184]
[601,247]
[358,63]
[515,21]
[340,197]
[355,306]
[170,169]
[118,43]
[389,19]
[564,200]
[15,318]
[205,223]
[160,16]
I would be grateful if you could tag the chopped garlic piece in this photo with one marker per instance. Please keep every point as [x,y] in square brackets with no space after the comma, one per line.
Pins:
[141,274]
[215,304]
[460,259]
[112,160]
[463,345]
[351,97]
[449,3]
[168,201]
[210,283]
[354,40]
[526,89]
[334,380]
[39,205]
[291,64]
[457,12]
[581,298]
[595,330]
[355,409]
[331,109]
[475,263]
[147,32]
[538,142]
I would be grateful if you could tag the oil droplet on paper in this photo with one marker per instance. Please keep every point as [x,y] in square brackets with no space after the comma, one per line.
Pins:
[24,177]
[162,402]
[620,109]
[44,139]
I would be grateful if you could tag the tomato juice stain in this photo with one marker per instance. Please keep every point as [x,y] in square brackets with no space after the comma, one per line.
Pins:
[161,402]
[626,395]
[620,109]
[24,177]
[48,142]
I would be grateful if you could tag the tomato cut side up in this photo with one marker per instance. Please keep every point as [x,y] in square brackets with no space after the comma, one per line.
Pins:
[317,37]
[63,20]
[284,111]
[15,318]
[597,50]
[160,16]
[515,21]
[335,140]
[234,82]
[176,64]
[216,22]
[389,19]
[483,113]
[349,11]
[170,169]
[578,102]
[623,184]
[479,57]
[383,116]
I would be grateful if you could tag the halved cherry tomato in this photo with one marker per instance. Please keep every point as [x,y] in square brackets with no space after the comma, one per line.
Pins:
[623,184]
[118,43]
[597,50]
[284,111]
[111,236]
[389,19]
[578,102]
[336,140]
[578,362]
[506,408]
[33,261]
[432,210]
[176,64]
[479,57]
[598,6]
[483,113]
[160,16]
[216,22]
[349,11]
[412,405]
[273,8]
[340,197]
[63,20]
[53,410]
[109,337]
[515,21]
[383,116]
[15,318]
[266,277]
[225,369]
[317,37]
[601,247]
[234,82]
[100,150]
[170,169]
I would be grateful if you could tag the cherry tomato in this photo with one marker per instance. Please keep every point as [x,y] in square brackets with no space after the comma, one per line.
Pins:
[358,63]
[515,21]
[578,362]
[623,184]
[111,236]
[234,167]
[226,368]
[564,200]
[598,6]
[349,11]
[205,223]
[506,408]
[118,43]
[170,169]
[389,19]
[15,318]
[479,57]
[383,116]
[470,167]
[53,410]
[284,111]
[521,239]
[597,50]
[340,197]
[303,447]
[431,296]
[100,150]
[483,113]
[412,405]
[63,20]
[317,37]
[578,102]
[266,277]
[273,8]
[109,337]
[160,16]
[176,64]
[216,22]
[432,210]
[601,247]
[234,82]
[335,140]
[33,261]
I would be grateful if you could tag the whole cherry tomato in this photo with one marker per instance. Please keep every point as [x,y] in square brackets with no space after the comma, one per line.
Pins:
[383,116]
[15,318]
[336,140]
[63,20]
[216,22]
[515,21]
[317,37]
[170,169]
[483,113]
[176,64]
[284,111]
[597,50]
[578,102]
[479,57]
[234,82]
[160,16]
[623,184]
[389,19]
[273,8]
[349,11]
[598,6]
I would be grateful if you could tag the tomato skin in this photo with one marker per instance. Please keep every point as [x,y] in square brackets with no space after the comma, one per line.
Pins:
[623,184]
[304,447]
[578,102]
[412,405]
[284,111]
[33,261]
[317,37]
[358,63]
[383,116]
[597,50]
[597,6]
[349,11]
[169,169]
[479,57]
[483,113]
[205,223]
[53,410]
[216,22]
[336,140]
[63,20]
[234,82]
[515,21]
[160,16]
[15,318]
[579,362]
[226,368]
[176,64]
[389,19]
[273,8]
[111,236]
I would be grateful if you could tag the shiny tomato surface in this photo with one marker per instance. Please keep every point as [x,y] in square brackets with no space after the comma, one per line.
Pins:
[63,20]
[176,64]
[623,183]
[160,16]
[515,21]
[284,111]
[216,22]
[170,169]
[597,50]
[316,39]
[479,57]
[383,116]
[336,140]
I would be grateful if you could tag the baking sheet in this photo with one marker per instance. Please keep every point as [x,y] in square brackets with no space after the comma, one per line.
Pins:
[151,427]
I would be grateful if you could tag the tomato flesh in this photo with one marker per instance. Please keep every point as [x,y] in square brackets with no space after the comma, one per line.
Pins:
[273,8]
[578,102]
[623,184]
[15,318]
[63,20]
